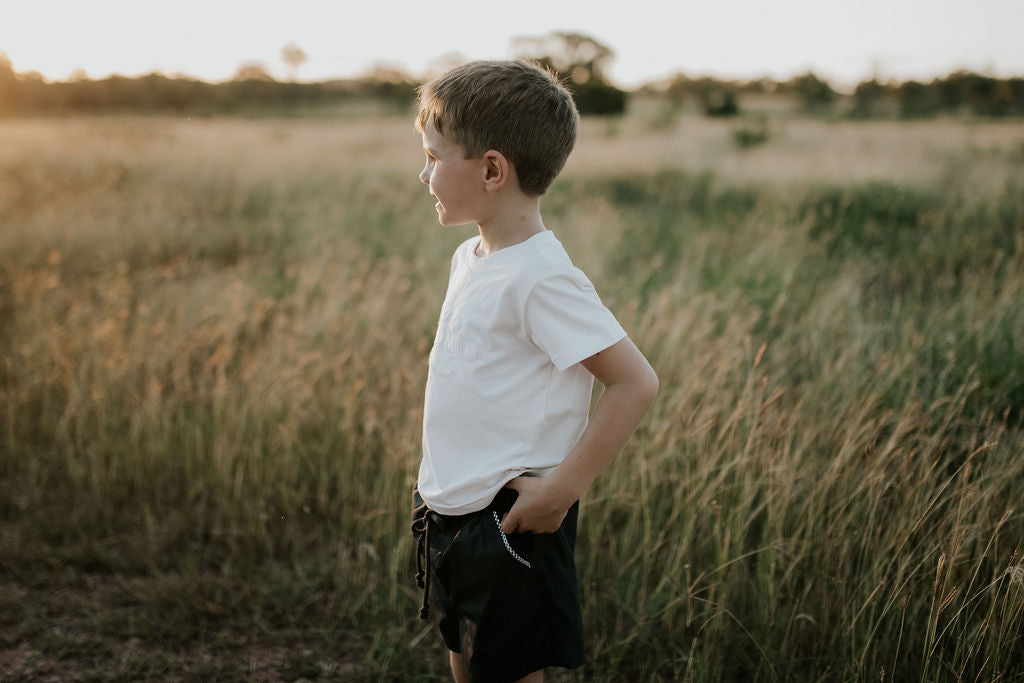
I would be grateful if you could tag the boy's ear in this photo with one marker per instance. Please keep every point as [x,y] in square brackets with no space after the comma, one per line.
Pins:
[497,170]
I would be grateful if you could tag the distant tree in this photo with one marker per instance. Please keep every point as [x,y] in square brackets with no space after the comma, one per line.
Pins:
[8,85]
[759,86]
[386,73]
[294,57]
[951,92]
[960,92]
[716,98]
[580,60]
[815,94]
[866,97]
[577,56]
[985,95]
[916,100]
[722,103]
[1015,88]
[252,71]
[677,90]
[390,84]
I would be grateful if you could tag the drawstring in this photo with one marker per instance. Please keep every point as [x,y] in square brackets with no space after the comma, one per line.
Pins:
[422,520]
[421,530]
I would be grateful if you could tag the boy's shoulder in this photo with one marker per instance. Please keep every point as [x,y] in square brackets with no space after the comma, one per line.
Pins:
[548,260]
[538,257]
[466,247]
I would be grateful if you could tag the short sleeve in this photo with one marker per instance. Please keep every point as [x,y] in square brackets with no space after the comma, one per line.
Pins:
[566,319]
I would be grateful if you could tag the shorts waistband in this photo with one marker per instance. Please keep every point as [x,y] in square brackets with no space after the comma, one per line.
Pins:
[501,503]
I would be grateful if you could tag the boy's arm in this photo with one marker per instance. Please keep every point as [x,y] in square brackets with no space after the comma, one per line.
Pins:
[629,388]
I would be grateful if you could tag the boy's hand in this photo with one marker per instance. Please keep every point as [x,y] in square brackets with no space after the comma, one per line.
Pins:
[537,510]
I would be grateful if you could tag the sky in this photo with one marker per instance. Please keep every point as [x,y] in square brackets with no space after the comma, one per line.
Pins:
[841,40]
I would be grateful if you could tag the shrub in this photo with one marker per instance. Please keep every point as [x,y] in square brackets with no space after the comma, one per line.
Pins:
[746,137]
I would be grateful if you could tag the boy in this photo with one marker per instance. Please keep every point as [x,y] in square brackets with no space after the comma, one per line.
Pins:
[507,448]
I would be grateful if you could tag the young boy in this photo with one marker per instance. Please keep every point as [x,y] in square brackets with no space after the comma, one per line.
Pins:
[507,447]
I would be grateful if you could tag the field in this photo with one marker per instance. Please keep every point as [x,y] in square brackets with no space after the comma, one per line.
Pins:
[213,343]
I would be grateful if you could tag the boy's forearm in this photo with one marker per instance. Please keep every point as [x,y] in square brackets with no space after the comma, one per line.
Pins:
[614,419]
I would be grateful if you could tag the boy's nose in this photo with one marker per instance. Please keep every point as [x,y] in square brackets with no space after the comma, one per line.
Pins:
[425,176]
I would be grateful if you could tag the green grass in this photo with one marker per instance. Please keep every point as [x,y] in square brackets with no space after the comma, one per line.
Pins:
[211,378]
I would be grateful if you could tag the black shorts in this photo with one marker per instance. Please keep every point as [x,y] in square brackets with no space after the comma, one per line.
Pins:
[508,603]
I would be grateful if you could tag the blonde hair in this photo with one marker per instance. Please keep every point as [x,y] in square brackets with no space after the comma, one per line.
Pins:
[513,107]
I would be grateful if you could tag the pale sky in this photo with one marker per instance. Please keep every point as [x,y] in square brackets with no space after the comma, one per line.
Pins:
[841,40]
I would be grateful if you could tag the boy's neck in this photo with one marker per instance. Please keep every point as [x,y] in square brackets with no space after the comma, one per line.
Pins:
[515,222]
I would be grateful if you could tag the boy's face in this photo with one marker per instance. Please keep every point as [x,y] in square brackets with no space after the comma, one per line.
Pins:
[455,182]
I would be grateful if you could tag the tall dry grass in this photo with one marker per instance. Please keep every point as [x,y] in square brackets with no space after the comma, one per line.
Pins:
[212,363]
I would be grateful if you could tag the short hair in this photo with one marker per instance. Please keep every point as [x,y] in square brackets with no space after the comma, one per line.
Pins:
[514,107]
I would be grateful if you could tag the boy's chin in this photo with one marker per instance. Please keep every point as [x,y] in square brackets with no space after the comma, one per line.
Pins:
[453,223]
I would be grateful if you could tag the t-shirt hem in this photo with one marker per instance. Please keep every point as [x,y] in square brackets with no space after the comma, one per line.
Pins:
[468,508]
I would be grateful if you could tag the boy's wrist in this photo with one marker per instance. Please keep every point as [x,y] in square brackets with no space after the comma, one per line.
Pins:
[561,488]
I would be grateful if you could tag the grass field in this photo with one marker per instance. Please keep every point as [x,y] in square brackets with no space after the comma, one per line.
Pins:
[213,343]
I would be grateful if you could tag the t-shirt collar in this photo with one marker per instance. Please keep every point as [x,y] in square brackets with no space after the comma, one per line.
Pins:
[477,262]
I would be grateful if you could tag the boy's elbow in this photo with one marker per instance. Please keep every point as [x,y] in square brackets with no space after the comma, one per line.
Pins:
[650,385]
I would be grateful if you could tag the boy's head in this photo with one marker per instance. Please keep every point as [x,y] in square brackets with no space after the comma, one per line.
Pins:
[513,107]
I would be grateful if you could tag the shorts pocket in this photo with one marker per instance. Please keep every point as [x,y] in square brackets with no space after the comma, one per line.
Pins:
[481,562]
[515,552]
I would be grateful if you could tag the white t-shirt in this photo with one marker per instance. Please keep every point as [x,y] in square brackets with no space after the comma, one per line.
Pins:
[505,392]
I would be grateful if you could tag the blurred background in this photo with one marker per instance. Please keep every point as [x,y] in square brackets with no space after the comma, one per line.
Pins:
[910,57]
[220,279]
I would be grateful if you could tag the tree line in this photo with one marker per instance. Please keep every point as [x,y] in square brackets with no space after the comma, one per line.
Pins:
[959,93]
[579,60]
[252,90]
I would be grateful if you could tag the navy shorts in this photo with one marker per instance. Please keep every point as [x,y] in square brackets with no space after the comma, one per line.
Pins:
[508,603]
